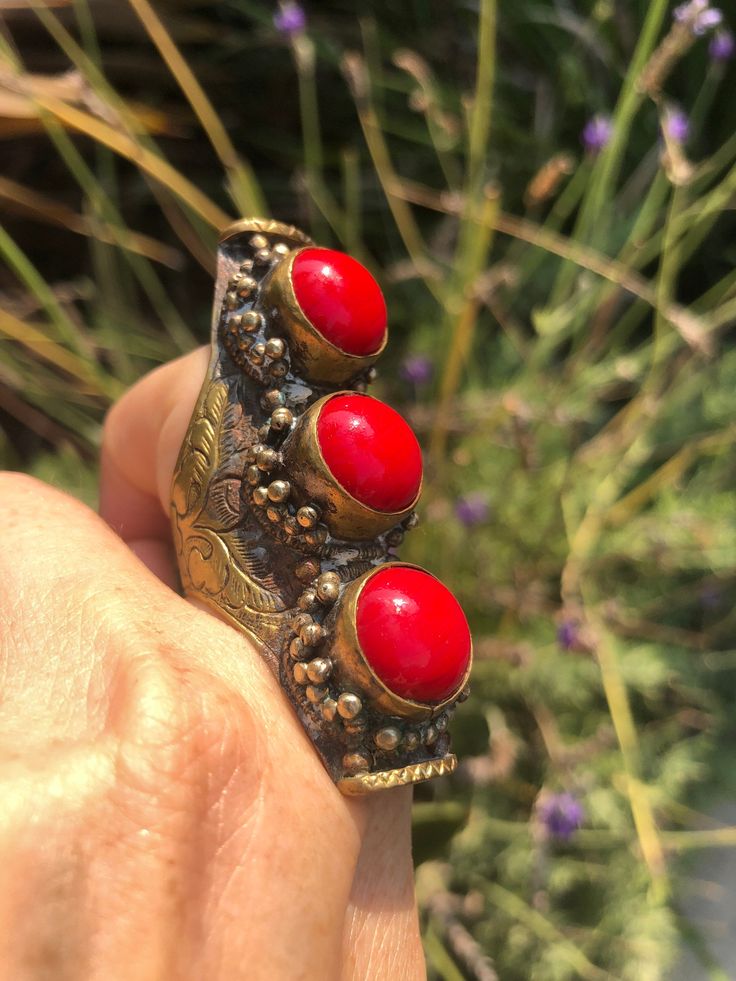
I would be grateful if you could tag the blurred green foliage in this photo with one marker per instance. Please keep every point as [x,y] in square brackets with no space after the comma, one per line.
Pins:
[574,309]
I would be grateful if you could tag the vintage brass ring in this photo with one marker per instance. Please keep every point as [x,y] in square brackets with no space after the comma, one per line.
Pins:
[291,491]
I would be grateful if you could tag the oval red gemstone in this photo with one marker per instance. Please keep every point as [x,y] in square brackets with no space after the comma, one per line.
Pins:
[340,299]
[370,451]
[414,634]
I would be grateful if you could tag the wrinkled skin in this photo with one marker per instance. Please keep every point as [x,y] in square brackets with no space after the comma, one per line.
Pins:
[163,814]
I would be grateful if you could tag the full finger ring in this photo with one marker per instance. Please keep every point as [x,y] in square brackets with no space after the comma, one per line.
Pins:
[292,489]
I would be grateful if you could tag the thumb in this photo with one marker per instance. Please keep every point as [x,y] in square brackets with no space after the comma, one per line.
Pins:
[142,436]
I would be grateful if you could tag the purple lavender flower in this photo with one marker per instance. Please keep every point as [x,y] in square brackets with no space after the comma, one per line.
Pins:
[472,509]
[568,635]
[290,19]
[711,597]
[722,46]
[417,369]
[560,815]
[676,125]
[699,15]
[596,133]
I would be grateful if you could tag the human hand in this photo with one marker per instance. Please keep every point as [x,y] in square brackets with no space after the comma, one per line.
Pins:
[164,816]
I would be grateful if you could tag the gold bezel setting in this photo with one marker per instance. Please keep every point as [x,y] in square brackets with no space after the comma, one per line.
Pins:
[352,666]
[344,515]
[316,356]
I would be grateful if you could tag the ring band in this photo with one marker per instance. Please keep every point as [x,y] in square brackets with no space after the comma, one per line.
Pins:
[291,491]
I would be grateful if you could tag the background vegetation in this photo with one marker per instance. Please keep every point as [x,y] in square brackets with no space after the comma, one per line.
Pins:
[562,314]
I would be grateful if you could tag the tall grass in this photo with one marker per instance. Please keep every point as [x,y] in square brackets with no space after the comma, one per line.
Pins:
[574,311]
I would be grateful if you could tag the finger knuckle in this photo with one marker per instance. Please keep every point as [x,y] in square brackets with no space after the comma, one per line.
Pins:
[183,734]
[31,508]
[19,491]
[38,524]
[51,548]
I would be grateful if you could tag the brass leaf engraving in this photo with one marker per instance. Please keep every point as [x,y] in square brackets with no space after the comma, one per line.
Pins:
[216,563]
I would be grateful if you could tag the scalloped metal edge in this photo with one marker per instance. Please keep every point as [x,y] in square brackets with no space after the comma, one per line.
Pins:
[364,783]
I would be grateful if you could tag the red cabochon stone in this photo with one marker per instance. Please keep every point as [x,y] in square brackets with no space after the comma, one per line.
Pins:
[340,299]
[414,634]
[370,451]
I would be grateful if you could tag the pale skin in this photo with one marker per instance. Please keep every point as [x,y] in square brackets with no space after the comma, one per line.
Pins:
[163,814]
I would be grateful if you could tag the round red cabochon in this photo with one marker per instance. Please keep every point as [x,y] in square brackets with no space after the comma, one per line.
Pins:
[370,451]
[414,634]
[341,300]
